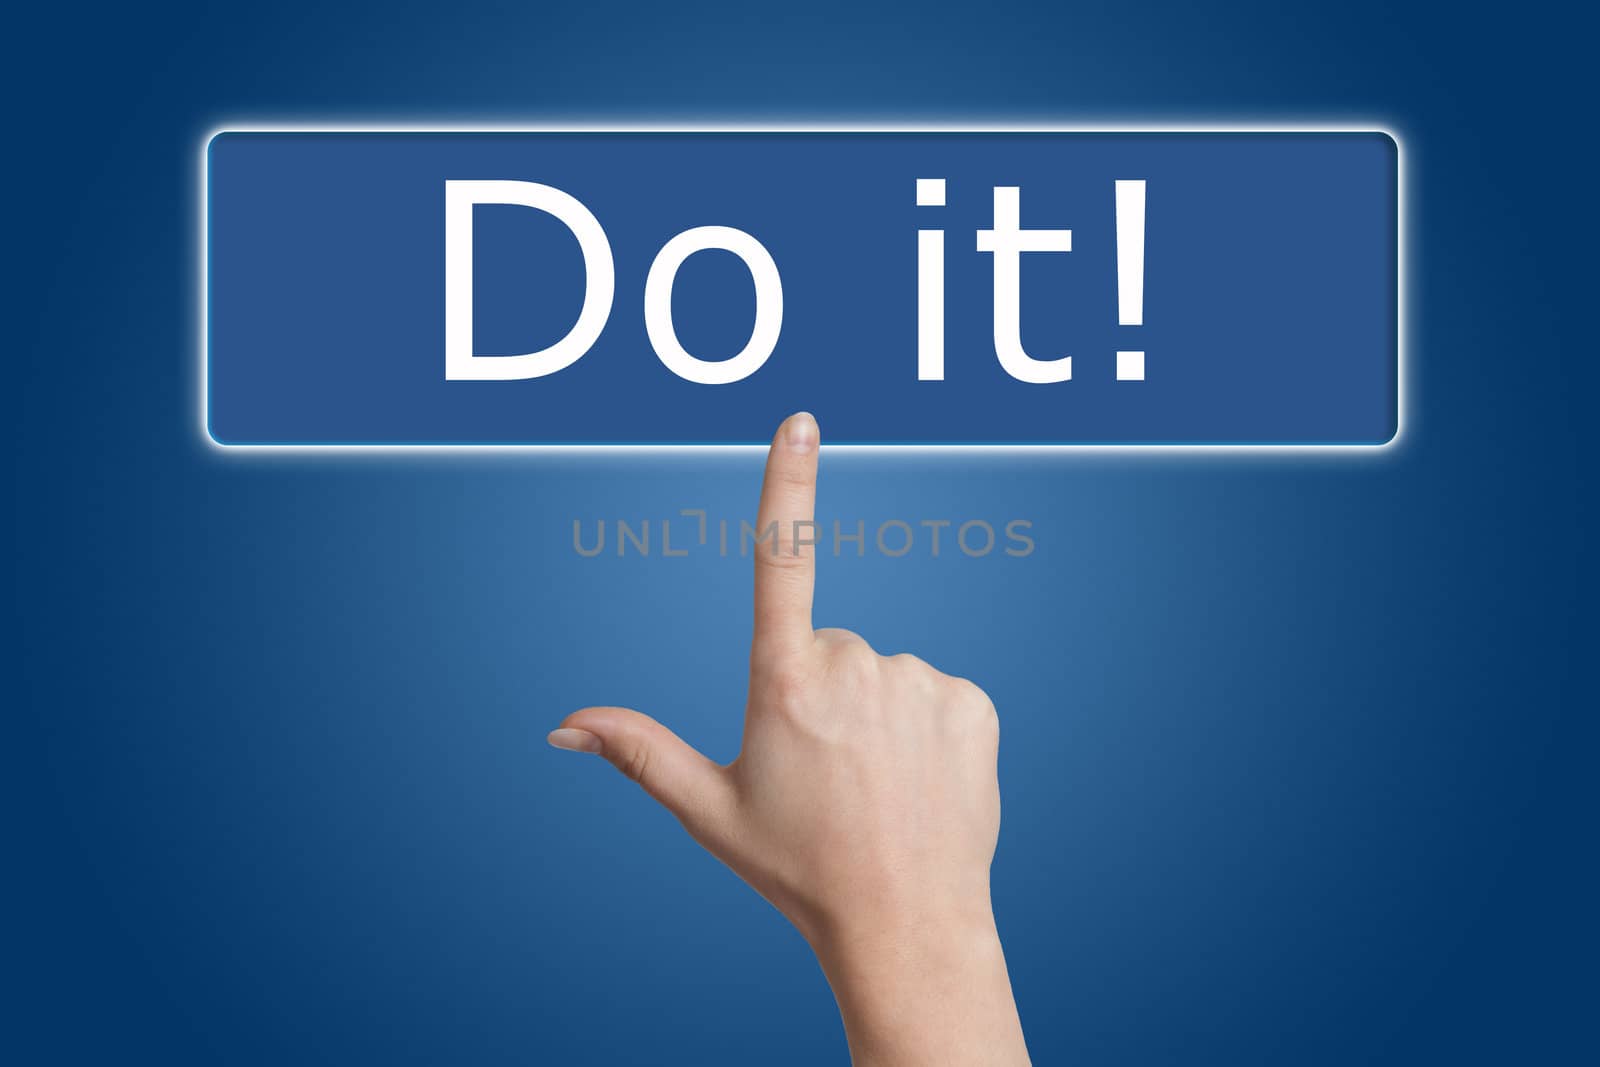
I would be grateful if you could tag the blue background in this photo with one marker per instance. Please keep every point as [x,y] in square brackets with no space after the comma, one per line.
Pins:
[1270,309]
[1298,755]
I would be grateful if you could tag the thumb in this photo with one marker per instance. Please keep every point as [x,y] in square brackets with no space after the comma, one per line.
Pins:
[686,783]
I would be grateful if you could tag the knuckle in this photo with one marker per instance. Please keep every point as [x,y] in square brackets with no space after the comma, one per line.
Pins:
[635,763]
[854,661]
[836,637]
[914,673]
[966,690]
[783,560]
[968,695]
[991,722]
[856,649]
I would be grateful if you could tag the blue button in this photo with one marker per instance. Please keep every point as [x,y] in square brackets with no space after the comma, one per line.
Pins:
[910,288]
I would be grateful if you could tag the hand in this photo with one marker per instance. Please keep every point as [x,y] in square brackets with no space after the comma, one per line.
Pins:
[864,804]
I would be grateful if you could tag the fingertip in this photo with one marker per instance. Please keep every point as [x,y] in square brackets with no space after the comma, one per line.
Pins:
[800,432]
[572,740]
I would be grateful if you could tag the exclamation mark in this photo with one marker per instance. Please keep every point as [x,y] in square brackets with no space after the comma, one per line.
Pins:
[1130,272]
[930,287]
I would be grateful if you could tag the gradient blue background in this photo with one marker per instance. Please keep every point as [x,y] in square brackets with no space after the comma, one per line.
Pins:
[1297,759]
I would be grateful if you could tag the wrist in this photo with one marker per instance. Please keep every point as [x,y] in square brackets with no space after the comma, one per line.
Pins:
[878,946]
[932,989]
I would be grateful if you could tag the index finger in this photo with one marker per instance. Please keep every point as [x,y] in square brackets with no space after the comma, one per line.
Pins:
[785,537]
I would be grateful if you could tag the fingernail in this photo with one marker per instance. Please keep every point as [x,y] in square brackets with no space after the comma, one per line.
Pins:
[800,433]
[574,740]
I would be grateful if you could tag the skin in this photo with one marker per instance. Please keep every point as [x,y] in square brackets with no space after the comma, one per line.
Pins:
[864,805]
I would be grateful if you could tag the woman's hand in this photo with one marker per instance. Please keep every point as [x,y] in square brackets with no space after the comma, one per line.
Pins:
[864,804]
